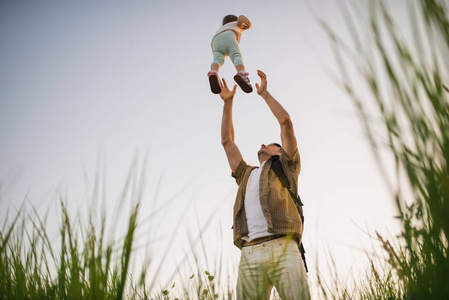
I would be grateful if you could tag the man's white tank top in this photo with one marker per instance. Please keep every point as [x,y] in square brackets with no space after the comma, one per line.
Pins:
[255,219]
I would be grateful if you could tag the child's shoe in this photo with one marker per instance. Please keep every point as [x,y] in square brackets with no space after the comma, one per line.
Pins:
[214,82]
[243,81]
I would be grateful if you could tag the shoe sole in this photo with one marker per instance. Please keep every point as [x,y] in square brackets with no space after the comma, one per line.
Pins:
[243,85]
[214,84]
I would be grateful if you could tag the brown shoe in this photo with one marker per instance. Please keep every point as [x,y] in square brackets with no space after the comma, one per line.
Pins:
[214,82]
[243,81]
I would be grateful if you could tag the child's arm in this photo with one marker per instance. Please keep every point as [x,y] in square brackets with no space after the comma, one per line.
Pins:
[243,22]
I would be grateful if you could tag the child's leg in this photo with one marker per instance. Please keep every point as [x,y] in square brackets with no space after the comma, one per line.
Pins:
[235,54]
[240,68]
[214,80]
[236,58]
[243,81]
[219,52]
[242,76]
[219,56]
[214,67]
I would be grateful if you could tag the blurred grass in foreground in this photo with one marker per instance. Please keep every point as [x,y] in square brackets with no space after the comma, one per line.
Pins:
[397,79]
[81,267]
[91,257]
[83,261]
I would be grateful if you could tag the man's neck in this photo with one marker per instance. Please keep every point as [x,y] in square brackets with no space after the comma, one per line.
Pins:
[263,159]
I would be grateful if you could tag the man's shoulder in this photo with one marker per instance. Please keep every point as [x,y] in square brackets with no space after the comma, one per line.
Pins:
[292,164]
[293,159]
[241,170]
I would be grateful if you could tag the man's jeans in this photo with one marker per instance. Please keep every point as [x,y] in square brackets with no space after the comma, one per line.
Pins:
[275,263]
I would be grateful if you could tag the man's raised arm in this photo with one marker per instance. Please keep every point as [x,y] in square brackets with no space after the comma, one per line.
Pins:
[289,143]
[227,128]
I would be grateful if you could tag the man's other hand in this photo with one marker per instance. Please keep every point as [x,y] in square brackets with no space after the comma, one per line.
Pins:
[262,88]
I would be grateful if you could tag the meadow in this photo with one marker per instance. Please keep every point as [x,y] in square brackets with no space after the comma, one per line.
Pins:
[402,99]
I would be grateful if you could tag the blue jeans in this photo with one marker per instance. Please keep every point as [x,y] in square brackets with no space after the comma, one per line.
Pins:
[225,44]
[275,263]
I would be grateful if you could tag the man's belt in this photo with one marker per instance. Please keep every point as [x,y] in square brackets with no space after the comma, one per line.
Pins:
[262,240]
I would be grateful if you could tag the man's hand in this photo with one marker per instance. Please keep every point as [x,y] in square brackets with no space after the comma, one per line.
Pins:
[226,94]
[262,88]
[289,143]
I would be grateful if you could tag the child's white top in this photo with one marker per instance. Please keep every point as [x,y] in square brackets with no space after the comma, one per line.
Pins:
[230,26]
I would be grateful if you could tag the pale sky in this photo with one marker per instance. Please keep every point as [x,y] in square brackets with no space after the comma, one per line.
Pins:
[87,85]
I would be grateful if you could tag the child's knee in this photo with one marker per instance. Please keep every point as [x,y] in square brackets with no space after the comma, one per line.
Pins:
[219,60]
[236,59]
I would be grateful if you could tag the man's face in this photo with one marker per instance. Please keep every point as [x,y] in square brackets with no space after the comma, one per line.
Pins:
[270,150]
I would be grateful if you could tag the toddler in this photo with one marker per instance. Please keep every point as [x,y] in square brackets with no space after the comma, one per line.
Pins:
[226,43]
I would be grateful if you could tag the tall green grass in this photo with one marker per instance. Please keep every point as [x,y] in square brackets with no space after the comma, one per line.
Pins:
[80,267]
[92,257]
[397,77]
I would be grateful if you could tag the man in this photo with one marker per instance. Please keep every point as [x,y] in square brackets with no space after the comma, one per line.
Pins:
[267,224]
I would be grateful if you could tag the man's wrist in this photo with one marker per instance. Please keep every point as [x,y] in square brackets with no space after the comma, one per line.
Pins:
[264,94]
[228,102]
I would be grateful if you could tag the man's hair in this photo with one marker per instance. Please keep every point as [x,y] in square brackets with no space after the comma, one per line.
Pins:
[277,145]
[229,18]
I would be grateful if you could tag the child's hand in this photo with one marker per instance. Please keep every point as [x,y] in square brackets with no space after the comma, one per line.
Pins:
[243,22]
[245,26]
[227,94]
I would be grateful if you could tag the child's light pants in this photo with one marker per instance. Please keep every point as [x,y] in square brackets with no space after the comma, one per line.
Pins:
[225,44]
[275,263]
